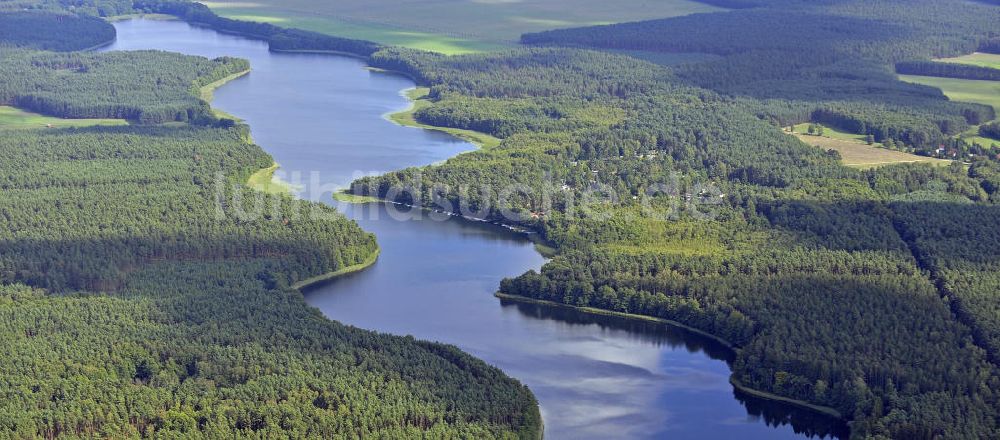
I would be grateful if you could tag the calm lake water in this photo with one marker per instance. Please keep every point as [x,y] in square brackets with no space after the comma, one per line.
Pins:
[322,118]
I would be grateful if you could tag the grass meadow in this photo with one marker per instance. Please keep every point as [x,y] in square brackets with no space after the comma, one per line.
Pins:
[976,59]
[14,118]
[854,152]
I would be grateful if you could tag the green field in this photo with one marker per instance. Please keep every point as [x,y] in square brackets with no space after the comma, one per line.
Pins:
[264,180]
[831,133]
[976,59]
[448,26]
[967,90]
[11,117]
[857,154]
[855,151]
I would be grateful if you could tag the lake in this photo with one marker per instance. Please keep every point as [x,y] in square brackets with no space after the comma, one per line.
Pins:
[322,117]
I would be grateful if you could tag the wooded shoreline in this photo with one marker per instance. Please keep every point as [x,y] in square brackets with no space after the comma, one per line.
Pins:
[819,409]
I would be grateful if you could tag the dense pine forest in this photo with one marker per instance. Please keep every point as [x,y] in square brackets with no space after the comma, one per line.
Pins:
[142,87]
[991,130]
[34,30]
[140,298]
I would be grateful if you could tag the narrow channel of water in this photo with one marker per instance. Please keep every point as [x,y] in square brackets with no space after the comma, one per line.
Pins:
[321,116]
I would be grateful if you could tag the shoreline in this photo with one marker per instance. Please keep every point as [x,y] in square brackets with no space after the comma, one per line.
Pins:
[100,45]
[330,276]
[225,31]
[761,394]
[318,52]
[263,180]
[207,93]
[346,197]
[406,118]
[143,16]
[393,72]
[603,312]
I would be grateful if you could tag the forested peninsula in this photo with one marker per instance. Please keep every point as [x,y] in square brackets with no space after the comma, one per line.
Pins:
[133,307]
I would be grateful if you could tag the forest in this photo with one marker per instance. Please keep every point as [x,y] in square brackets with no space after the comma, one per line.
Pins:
[948,70]
[834,285]
[825,62]
[991,131]
[139,298]
[34,30]
[990,46]
[142,87]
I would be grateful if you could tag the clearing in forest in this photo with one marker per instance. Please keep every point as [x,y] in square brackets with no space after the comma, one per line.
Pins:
[14,118]
[854,152]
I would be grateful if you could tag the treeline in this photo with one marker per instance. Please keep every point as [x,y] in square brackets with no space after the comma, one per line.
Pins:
[991,131]
[277,37]
[948,70]
[146,87]
[991,46]
[98,8]
[524,73]
[885,30]
[34,30]
[886,123]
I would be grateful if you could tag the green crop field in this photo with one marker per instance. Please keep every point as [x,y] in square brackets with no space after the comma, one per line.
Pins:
[967,90]
[982,92]
[11,117]
[830,132]
[448,26]
[976,59]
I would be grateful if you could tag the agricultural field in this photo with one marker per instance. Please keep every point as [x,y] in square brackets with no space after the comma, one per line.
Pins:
[831,133]
[14,118]
[855,153]
[448,26]
[967,90]
[976,59]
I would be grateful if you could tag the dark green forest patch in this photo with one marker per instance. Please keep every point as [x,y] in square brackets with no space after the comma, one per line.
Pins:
[35,30]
